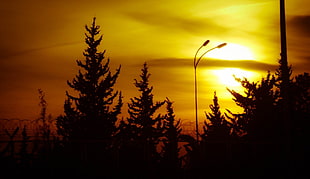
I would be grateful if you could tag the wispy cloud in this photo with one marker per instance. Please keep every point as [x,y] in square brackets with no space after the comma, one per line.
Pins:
[169,22]
[248,64]
[300,25]
[298,41]
[6,53]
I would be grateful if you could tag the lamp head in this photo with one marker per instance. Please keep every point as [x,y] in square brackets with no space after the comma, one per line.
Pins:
[221,45]
[206,43]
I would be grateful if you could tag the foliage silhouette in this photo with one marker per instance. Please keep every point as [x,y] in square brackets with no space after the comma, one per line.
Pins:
[262,128]
[218,128]
[171,159]
[89,122]
[94,84]
[142,130]
[274,112]
[269,138]
[259,105]
[211,151]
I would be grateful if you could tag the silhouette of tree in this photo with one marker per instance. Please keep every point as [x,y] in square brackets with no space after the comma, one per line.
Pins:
[44,142]
[24,153]
[294,111]
[301,87]
[44,121]
[218,128]
[259,104]
[215,139]
[261,123]
[283,73]
[91,115]
[285,102]
[142,130]
[300,96]
[246,101]
[192,154]
[172,133]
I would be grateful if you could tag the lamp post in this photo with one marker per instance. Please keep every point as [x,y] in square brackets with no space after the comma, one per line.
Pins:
[196,62]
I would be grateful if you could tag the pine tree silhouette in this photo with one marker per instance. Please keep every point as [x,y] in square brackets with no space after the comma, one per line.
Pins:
[300,115]
[259,103]
[90,116]
[261,123]
[172,134]
[143,129]
[91,112]
[215,139]
[218,128]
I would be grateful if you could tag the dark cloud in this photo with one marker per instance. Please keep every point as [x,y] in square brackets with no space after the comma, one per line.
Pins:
[298,34]
[248,64]
[300,24]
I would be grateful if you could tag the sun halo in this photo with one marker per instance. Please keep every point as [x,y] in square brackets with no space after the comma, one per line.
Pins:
[226,76]
[232,52]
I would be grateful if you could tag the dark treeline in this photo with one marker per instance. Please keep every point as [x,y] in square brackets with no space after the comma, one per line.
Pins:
[268,139]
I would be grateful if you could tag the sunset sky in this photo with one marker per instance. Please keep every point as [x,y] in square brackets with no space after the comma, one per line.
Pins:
[41,41]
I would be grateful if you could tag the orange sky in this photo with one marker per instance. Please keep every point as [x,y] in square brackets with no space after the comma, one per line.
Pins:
[40,41]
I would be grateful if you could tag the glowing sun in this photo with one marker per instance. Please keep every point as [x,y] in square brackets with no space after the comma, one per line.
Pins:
[225,76]
[232,52]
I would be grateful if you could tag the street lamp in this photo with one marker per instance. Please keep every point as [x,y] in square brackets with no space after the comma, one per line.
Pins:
[196,62]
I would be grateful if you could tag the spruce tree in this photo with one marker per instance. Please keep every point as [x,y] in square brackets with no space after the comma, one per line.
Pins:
[218,128]
[91,112]
[172,134]
[215,140]
[143,127]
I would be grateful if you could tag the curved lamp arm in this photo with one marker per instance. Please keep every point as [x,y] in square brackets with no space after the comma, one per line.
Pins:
[219,46]
[204,44]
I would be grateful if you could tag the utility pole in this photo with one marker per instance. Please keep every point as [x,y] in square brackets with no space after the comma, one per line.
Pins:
[285,83]
[283,39]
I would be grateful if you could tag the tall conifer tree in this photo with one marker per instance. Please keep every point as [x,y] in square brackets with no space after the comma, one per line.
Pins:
[218,128]
[172,136]
[91,114]
[215,139]
[142,127]
[89,123]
